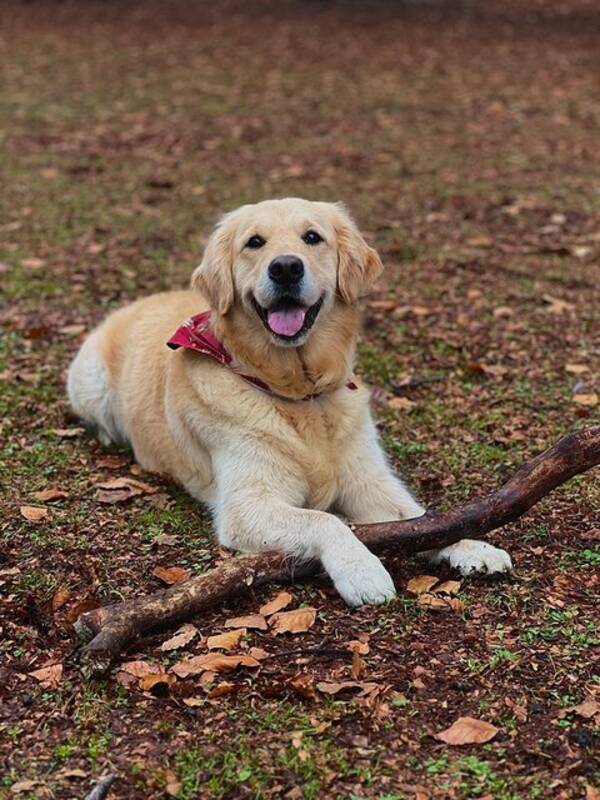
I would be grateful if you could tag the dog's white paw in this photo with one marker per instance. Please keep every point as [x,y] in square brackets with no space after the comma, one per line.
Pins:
[359,576]
[469,556]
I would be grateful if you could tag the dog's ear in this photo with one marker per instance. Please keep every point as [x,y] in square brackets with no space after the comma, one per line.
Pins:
[214,277]
[359,265]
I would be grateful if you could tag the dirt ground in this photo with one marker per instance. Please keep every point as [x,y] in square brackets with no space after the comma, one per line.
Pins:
[465,137]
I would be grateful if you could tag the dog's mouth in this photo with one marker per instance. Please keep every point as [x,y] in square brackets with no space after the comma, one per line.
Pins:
[286,318]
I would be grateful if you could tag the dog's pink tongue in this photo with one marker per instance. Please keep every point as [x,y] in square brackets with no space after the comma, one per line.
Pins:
[288,322]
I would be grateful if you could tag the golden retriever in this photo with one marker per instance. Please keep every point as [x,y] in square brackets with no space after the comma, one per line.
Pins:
[274,432]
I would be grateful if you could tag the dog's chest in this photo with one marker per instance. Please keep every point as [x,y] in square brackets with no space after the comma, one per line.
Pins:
[325,431]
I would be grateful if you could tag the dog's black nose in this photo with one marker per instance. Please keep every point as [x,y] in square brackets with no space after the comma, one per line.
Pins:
[286,270]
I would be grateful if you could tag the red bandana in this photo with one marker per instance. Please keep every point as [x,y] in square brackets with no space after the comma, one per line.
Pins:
[196,334]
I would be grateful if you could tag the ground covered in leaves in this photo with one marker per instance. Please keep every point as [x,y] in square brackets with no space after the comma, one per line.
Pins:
[465,139]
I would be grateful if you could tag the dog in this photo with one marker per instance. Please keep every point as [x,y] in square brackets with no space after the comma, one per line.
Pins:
[254,407]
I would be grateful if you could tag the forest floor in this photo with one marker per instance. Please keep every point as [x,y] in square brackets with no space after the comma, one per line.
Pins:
[465,139]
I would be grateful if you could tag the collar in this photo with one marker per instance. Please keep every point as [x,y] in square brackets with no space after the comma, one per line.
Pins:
[196,334]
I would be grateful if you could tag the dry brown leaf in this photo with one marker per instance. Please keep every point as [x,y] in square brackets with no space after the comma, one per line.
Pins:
[383,305]
[401,404]
[215,662]
[34,513]
[304,685]
[112,462]
[421,583]
[591,792]
[277,603]
[297,621]
[118,490]
[157,682]
[503,312]
[227,640]
[69,433]
[49,495]
[60,597]
[171,575]
[254,621]
[258,653]
[140,669]
[333,688]
[180,638]
[359,666]
[467,730]
[356,646]
[556,305]
[590,399]
[587,709]
[49,677]
[432,602]
[222,690]
[448,587]
[576,369]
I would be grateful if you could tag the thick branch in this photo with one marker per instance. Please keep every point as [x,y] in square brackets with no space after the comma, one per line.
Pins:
[113,627]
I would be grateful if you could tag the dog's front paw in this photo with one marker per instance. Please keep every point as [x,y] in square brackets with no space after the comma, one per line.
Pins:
[469,556]
[359,577]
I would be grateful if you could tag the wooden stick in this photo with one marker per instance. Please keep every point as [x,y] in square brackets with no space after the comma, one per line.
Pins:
[114,627]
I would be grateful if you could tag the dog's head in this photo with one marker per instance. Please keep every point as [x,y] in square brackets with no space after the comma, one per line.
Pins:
[288,263]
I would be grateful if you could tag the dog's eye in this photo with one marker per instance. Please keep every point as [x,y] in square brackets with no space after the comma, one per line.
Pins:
[312,237]
[255,242]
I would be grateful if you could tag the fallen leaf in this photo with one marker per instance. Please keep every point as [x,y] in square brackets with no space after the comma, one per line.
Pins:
[258,653]
[60,597]
[556,305]
[576,369]
[297,621]
[32,263]
[356,646]
[222,690]
[383,305]
[68,433]
[587,709]
[49,677]
[589,400]
[112,462]
[215,662]
[304,685]
[255,621]
[34,513]
[503,312]
[140,669]
[157,682]
[48,495]
[431,601]
[118,490]
[180,638]
[277,603]
[421,583]
[79,608]
[333,688]
[358,666]
[401,404]
[73,330]
[23,786]
[591,792]
[171,575]
[226,641]
[467,730]
[448,587]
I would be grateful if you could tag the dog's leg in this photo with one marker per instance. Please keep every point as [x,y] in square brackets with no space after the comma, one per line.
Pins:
[257,508]
[469,556]
[370,492]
